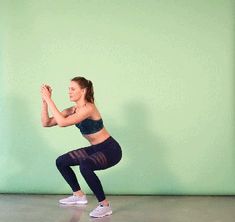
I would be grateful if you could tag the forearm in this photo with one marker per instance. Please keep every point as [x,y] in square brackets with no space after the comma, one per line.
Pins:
[44,114]
[55,112]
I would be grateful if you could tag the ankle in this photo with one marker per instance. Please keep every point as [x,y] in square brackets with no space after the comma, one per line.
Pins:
[104,203]
[78,193]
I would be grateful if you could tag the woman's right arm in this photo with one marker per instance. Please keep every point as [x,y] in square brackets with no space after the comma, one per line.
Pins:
[45,119]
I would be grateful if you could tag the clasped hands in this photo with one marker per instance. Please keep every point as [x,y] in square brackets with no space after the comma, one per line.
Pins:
[46,92]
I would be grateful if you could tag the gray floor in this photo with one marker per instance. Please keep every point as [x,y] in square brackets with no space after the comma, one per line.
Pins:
[34,208]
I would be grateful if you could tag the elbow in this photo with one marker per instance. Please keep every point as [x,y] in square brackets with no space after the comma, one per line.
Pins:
[61,124]
[45,124]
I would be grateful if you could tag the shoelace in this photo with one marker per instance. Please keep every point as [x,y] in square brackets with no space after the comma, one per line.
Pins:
[72,198]
[99,208]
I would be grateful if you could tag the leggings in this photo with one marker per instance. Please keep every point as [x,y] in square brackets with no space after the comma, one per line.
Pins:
[95,157]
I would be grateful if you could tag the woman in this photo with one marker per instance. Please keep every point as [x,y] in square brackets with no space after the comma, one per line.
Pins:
[104,151]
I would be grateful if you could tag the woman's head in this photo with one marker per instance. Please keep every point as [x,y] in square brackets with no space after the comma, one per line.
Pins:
[79,87]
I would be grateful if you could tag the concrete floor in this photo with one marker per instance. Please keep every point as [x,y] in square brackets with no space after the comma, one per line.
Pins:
[45,208]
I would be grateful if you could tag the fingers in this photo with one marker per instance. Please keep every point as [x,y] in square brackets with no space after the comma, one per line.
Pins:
[45,92]
[46,87]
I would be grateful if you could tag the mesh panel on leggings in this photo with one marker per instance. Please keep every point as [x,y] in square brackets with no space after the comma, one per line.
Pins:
[99,159]
[77,154]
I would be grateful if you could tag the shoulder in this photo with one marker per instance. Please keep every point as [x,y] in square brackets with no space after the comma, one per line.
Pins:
[92,108]
[94,114]
[69,111]
[88,108]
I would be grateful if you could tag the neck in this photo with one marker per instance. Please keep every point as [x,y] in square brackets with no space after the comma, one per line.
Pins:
[80,104]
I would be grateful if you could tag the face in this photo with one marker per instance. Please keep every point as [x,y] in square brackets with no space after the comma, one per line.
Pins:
[75,91]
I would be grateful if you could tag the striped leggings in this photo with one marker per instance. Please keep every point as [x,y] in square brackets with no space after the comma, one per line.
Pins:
[95,157]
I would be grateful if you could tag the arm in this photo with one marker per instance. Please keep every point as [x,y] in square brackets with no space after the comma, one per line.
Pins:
[51,121]
[60,117]
[67,120]
[45,119]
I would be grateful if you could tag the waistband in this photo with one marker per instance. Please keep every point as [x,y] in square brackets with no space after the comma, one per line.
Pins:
[108,140]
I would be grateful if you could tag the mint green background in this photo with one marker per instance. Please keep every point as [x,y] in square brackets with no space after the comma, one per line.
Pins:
[163,73]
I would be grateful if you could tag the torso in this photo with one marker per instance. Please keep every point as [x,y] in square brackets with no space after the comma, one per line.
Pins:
[99,136]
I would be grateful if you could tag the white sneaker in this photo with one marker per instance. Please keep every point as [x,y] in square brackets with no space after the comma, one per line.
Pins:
[101,219]
[101,211]
[74,200]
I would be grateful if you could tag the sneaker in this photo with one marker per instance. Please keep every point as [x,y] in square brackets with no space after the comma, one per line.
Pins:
[74,200]
[73,206]
[101,211]
[101,219]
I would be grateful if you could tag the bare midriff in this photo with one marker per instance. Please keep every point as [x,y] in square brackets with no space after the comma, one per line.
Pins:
[98,137]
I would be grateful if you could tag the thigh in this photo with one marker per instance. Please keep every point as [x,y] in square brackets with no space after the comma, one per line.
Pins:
[98,161]
[104,155]
[80,154]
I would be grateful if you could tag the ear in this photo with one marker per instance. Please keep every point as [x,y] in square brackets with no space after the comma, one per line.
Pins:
[84,90]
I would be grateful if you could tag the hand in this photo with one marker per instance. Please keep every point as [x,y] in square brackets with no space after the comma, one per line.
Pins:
[46,92]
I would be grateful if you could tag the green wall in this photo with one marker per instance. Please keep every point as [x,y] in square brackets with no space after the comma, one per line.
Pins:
[163,73]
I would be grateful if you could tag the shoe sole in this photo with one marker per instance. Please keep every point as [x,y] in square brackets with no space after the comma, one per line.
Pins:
[106,214]
[75,206]
[72,203]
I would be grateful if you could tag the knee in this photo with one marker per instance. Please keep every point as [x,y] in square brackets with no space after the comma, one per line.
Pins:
[60,162]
